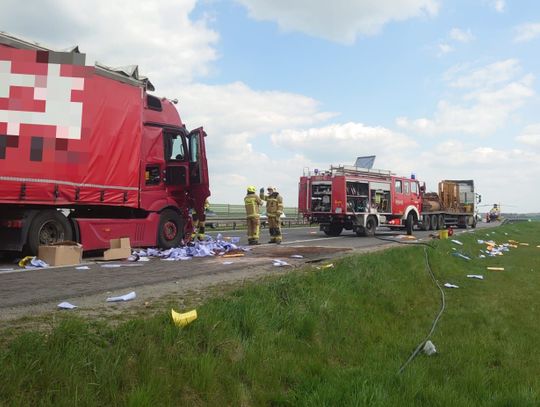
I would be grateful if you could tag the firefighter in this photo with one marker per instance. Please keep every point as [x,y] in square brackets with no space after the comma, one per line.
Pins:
[494,213]
[274,210]
[198,223]
[253,204]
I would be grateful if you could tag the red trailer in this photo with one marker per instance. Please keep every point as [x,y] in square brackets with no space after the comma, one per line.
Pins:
[359,199]
[87,154]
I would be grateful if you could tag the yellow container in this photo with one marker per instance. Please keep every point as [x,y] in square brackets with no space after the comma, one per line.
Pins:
[443,234]
[183,319]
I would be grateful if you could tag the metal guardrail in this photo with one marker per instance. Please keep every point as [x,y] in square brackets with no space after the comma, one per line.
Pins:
[240,222]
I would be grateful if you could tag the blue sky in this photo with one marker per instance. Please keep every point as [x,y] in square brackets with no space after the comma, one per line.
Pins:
[446,90]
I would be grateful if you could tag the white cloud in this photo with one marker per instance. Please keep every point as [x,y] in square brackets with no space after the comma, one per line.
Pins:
[444,49]
[527,32]
[159,36]
[338,20]
[485,77]
[342,143]
[498,5]
[493,94]
[460,35]
[530,136]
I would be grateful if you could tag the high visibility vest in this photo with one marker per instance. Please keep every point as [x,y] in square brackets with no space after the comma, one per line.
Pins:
[253,203]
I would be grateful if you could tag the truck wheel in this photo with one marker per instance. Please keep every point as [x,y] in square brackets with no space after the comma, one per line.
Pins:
[170,229]
[441,222]
[434,222]
[409,224]
[371,225]
[426,223]
[48,227]
[334,230]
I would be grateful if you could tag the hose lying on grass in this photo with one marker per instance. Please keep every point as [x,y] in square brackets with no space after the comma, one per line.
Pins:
[443,301]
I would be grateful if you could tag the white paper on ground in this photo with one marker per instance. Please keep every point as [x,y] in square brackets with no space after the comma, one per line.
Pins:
[279,263]
[226,263]
[478,276]
[82,268]
[297,256]
[111,266]
[429,349]
[448,285]
[66,305]
[457,242]
[126,297]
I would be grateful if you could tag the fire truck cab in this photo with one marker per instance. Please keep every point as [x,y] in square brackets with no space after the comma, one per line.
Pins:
[357,199]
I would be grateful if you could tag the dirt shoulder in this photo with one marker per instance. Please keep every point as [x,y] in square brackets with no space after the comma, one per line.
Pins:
[211,278]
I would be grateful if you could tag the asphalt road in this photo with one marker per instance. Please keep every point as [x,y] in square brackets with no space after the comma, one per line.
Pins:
[20,287]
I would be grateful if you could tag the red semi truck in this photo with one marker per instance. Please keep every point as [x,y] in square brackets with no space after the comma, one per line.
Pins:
[357,199]
[87,154]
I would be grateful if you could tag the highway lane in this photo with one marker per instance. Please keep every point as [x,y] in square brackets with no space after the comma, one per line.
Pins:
[26,287]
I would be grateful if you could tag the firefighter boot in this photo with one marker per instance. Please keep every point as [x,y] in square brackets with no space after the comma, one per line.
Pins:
[272,235]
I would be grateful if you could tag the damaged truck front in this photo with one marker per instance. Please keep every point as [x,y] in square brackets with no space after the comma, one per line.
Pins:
[87,154]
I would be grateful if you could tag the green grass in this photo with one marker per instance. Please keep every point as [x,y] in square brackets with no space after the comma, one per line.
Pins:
[332,337]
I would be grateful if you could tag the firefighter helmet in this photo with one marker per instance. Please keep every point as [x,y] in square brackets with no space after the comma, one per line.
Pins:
[273,189]
[251,189]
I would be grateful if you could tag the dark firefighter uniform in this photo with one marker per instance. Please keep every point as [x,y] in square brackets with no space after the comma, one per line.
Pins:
[274,209]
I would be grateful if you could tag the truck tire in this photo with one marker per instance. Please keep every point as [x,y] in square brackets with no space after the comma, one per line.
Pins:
[441,222]
[371,225]
[409,223]
[369,229]
[426,222]
[434,222]
[170,229]
[334,230]
[48,226]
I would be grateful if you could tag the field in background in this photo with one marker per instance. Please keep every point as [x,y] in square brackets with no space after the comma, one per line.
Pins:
[327,336]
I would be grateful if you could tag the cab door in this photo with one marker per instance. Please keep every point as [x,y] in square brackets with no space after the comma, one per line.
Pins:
[177,165]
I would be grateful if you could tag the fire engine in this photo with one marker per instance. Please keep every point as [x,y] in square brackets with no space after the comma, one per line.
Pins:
[87,154]
[361,199]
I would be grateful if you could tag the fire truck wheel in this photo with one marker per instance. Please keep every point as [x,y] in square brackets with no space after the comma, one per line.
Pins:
[409,225]
[48,227]
[170,229]
[426,222]
[371,225]
[334,230]
[434,223]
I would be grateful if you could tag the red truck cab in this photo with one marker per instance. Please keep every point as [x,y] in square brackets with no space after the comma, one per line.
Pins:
[87,154]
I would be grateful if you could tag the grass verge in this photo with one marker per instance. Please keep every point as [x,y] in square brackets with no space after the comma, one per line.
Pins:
[333,336]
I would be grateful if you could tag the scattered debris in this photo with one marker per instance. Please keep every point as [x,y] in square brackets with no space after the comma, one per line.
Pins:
[477,276]
[460,255]
[31,262]
[495,268]
[111,266]
[66,305]
[126,297]
[82,268]
[296,256]
[226,263]
[457,242]
[448,285]
[429,349]
[279,263]
[325,266]
[183,319]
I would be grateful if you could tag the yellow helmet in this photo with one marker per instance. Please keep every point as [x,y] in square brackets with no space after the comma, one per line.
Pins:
[251,188]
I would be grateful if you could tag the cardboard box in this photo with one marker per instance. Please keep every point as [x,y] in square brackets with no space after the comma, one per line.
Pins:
[120,249]
[65,253]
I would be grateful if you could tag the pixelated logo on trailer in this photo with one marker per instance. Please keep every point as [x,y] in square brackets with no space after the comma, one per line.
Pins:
[39,101]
